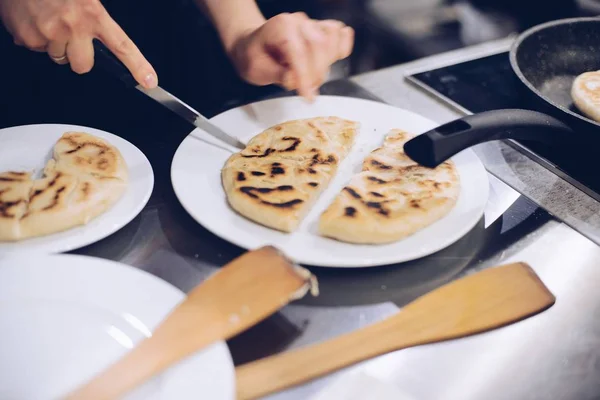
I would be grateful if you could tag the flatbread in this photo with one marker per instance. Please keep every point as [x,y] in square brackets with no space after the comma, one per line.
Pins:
[585,93]
[277,178]
[86,177]
[391,198]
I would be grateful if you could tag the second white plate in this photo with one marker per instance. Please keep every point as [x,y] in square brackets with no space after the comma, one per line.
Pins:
[66,318]
[29,147]
[196,177]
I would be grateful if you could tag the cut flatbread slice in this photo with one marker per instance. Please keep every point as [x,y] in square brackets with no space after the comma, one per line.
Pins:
[62,200]
[585,93]
[281,173]
[15,188]
[392,197]
[84,154]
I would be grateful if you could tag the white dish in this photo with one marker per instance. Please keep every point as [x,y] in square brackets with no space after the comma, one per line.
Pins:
[196,177]
[29,147]
[65,318]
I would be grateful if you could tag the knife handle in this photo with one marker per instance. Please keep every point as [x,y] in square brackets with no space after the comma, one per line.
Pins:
[109,63]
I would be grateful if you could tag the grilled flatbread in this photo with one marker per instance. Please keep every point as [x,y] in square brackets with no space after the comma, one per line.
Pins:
[392,198]
[277,178]
[586,94]
[86,177]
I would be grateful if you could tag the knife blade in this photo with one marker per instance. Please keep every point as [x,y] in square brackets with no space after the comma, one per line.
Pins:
[109,63]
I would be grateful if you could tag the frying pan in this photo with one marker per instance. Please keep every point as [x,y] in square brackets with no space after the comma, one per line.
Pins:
[546,59]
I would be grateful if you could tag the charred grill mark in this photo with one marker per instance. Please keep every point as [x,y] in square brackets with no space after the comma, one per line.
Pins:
[294,145]
[85,189]
[380,165]
[103,163]
[75,149]
[350,211]
[37,192]
[257,173]
[241,177]
[376,180]
[287,204]
[276,164]
[378,206]
[376,194]
[312,171]
[316,159]
[414,203]
[314,150]
[352,192]
[263,155]
[277,171]
[250,191]
[56,198]
[18,173]
[5,206]
[7,179]
[313,184]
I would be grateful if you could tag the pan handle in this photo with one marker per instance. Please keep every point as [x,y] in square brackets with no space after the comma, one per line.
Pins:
[436,146]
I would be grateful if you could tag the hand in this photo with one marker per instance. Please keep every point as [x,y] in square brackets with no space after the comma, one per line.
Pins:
[293,51]
[65,30]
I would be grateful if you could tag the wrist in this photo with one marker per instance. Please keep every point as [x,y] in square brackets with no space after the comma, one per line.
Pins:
[236,31]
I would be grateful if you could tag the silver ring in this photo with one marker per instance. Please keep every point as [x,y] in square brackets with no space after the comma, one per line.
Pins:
[59,60]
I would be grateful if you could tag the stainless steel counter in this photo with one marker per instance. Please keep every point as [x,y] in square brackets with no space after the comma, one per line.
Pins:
[555,355]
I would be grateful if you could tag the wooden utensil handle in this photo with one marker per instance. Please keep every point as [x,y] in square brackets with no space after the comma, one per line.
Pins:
[288,369]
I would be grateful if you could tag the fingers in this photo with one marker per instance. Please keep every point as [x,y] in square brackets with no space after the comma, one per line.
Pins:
[340,36]
[80,54]
[317,52]
[295,54]
[111,34]
[57,50]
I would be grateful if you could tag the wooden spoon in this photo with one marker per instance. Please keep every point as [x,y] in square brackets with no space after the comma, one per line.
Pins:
[239,295]
[480,302]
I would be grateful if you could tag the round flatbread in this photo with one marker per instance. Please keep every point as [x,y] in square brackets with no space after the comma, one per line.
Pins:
[585,93]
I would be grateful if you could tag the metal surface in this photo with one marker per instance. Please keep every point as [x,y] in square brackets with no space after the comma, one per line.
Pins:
[555,353]
[189,114]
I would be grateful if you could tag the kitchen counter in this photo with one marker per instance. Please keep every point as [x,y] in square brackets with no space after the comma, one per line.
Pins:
[555,355]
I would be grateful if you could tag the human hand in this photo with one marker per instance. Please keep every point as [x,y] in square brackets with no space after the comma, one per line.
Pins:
[293,51]
[65,30]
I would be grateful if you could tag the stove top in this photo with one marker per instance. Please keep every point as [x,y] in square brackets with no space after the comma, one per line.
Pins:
[489,83]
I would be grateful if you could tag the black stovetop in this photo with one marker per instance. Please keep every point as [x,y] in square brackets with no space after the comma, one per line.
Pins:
[489,83]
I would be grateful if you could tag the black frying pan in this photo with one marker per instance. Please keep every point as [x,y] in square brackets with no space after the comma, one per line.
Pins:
[546,59]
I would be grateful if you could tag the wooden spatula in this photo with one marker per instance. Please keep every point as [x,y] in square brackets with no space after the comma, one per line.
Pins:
[236,297]
[477,303]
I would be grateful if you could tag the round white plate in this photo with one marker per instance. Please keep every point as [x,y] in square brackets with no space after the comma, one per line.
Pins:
[29,147]
[196,177]
[65,318]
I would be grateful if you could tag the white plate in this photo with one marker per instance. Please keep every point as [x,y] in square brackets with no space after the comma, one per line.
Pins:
[196,178]
[65,318]
[29,147]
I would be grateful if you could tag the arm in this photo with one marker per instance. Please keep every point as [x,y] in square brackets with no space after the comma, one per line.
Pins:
[290,50]
[233,19]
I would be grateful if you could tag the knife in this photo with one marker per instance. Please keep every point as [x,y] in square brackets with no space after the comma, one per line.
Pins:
[110,64]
